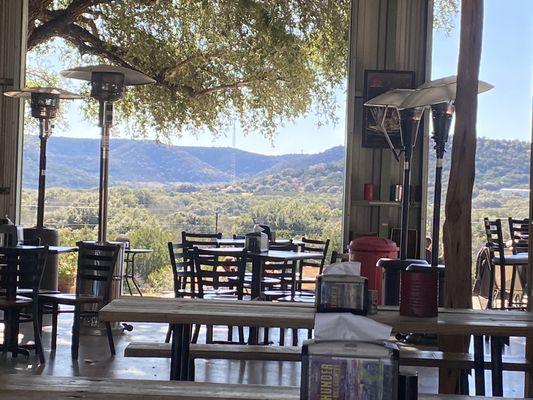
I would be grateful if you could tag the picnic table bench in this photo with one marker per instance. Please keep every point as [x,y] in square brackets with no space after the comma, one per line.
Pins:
[39,387]
[182,313]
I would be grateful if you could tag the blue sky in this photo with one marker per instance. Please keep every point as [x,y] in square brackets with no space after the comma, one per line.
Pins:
[504,112]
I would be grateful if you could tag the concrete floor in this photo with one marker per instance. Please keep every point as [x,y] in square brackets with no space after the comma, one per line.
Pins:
[95,361]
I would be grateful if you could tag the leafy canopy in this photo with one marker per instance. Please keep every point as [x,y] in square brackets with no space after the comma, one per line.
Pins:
[263,61]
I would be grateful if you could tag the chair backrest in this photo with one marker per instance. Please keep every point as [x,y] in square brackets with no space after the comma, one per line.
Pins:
[519,231]
[182,269]
[494,233]
[22,267]
[219,270]
[282,269]
[200,240]
[96,263]
[338,257]
[314,246]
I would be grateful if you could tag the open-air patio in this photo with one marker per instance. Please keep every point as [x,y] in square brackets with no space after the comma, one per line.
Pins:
[152,270]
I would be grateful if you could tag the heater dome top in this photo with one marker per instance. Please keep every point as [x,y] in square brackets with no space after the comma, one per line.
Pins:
[131,77]
[438,91]
[25,93]
[393,98]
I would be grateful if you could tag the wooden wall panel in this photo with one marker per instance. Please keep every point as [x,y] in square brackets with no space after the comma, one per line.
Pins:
[13,23]
[385,34]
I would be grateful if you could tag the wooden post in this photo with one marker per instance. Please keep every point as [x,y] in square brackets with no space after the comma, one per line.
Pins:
[528,390]
[457,226]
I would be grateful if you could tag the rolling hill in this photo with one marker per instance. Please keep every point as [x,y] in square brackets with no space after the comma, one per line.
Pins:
[73,163]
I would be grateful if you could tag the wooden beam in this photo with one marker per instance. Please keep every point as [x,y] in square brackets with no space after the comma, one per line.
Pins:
[458,224]
[529,285]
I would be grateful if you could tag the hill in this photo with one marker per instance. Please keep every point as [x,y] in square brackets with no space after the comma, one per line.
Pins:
[74,163]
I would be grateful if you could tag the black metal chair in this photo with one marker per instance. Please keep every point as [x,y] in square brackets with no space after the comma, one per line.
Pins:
[496,246]
[96,264]
[18,265]
[220,275]
[314,246]
[184,279]
[338,257]
[279,277]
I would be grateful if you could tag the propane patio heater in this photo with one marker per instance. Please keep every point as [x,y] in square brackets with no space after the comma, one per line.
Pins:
[107,86]
[409,122]
[44,102]
[440,95]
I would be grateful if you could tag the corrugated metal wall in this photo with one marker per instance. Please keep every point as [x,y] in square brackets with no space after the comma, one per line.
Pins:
[391,35]
[13,26]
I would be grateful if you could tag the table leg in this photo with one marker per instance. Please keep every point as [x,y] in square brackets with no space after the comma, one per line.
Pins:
[185,358]
[496,357]
[255,293]
[479,365]
[176,352]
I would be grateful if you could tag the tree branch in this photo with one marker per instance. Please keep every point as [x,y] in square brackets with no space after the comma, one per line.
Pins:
[50,28]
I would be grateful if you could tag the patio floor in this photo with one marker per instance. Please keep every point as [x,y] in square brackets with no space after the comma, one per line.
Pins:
[95,361]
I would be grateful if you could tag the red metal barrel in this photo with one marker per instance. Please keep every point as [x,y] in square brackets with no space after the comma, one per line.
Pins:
[419,291]
[368,250]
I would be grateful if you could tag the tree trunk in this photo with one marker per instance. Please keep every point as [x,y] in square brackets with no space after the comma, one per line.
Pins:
[458,223]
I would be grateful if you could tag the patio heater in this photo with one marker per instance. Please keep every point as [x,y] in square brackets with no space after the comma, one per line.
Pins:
[409,122]
[440,95]
[107,86]
[44,102]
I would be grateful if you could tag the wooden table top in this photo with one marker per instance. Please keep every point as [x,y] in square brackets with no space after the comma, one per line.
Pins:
[39,387]
[301,315]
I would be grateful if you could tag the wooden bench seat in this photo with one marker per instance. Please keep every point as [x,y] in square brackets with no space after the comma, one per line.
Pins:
[418,358]
[38,387]
[217,351]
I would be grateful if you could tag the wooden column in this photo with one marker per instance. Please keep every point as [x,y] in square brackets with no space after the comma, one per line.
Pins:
[13,26]
[458,224]
[529,286]
[393,35]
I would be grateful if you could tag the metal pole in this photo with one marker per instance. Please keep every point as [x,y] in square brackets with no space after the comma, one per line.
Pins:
[435,236]
[442,119]
[44,134]
[106,121]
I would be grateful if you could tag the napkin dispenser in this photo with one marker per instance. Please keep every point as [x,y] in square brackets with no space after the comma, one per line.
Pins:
[10,234]
[256,242]
[347,370]
[342,293]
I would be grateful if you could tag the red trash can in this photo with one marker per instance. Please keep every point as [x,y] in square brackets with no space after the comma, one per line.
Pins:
[368,250]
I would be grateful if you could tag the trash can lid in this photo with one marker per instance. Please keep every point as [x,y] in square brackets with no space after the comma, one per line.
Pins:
[372,244]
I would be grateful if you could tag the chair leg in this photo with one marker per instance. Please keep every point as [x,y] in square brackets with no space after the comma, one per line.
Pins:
[241,335]
[265,336]
[282,336]
[55,311]
[110,337]
[295,337]
[196,333]
[37,336]
[230,333]
[75,333]
[209,334]
[511,289]
[169,334]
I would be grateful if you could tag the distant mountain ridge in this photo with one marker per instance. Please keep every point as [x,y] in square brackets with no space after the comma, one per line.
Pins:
[74,163]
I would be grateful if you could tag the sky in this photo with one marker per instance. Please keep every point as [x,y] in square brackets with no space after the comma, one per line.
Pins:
[504,112]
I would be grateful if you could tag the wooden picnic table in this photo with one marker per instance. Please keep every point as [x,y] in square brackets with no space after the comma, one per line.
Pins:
[182,313]
[40,387]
